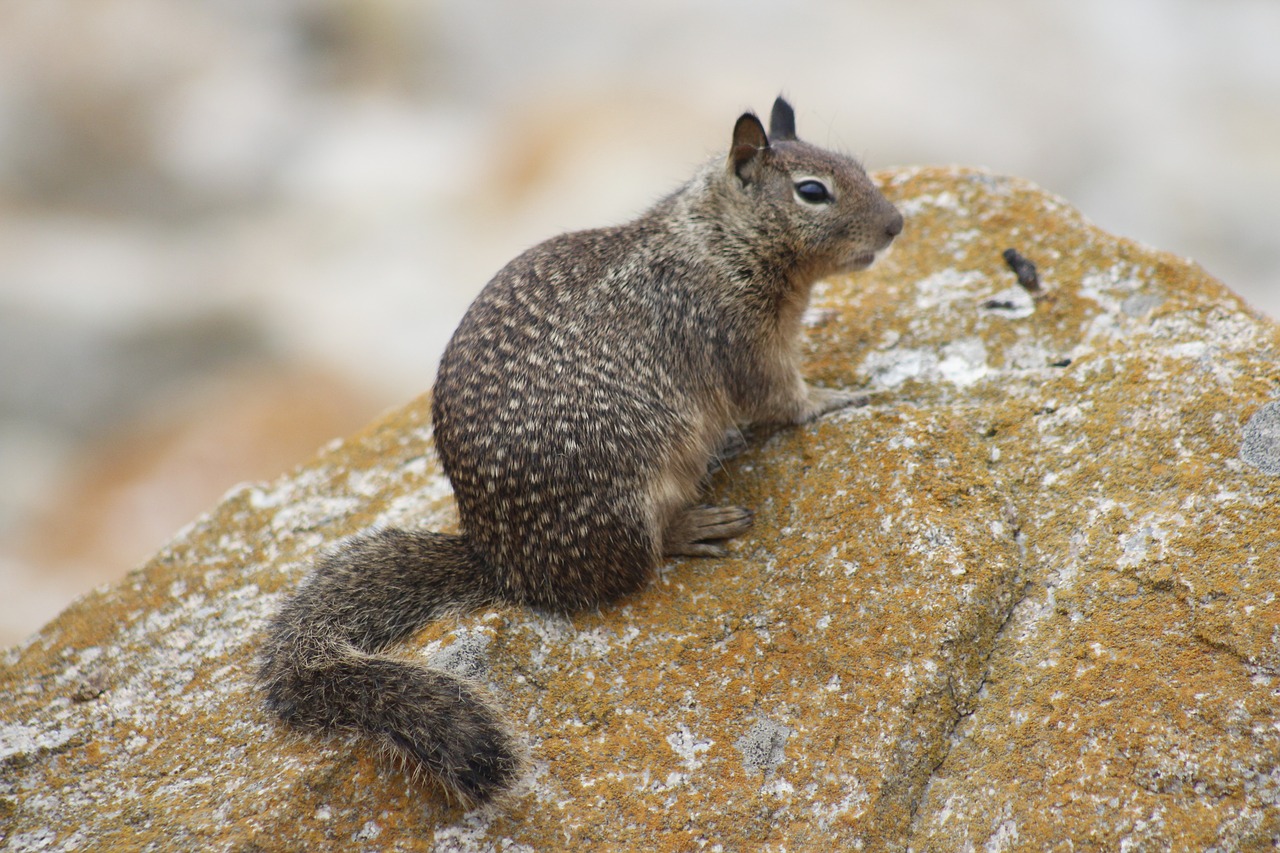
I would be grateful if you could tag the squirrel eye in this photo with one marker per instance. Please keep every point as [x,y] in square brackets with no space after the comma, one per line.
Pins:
[812,192]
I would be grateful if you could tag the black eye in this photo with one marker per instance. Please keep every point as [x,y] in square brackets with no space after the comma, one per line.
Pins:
[813,192]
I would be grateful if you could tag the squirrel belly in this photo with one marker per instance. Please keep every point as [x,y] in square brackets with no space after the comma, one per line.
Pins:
[576,412]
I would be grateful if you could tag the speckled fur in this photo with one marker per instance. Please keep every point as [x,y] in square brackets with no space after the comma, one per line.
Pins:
[576,411]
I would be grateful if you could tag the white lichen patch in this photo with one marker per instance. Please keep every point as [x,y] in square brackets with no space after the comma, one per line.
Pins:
[593,643]
[945,200]
[306,515]
[689,747]
[1148,540]
[959,241]
[472,833]
[407,510]
[18,740]
[961,363]
[1110,288]
[891,368]
[946,288]
[1030,355]
[964,362]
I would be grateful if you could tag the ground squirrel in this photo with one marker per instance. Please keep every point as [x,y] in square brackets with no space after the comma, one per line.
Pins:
[577,410]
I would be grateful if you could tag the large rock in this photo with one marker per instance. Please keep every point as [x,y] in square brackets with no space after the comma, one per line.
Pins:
[1029,595]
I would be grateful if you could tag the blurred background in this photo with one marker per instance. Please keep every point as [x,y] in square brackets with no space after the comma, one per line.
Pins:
[231,230]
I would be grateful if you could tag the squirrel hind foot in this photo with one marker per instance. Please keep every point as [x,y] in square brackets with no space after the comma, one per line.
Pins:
[701,530]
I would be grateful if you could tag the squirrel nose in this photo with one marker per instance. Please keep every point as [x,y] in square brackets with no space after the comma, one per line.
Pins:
[894,228]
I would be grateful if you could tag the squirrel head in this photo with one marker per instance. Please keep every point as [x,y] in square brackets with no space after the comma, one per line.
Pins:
[813,205]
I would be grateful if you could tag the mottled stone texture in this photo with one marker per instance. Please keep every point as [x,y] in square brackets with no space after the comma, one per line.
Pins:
[1027,599]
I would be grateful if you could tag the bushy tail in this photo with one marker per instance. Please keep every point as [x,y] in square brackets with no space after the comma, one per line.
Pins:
[324,669]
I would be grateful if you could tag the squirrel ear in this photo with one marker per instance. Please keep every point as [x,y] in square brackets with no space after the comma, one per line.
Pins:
[782,123]
[748,141]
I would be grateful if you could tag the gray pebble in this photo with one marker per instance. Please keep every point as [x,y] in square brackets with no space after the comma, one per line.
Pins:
[1261,444]
[763,744]
[467,657]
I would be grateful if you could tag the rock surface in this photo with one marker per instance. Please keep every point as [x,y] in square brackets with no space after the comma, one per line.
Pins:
[1029,596]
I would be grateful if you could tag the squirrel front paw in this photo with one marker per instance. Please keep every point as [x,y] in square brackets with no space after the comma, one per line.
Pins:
[823,400]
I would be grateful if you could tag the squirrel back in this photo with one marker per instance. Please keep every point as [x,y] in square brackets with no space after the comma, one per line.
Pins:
[576,412]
